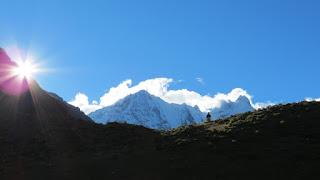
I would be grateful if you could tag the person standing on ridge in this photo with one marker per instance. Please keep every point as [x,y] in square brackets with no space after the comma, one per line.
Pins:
[208,117]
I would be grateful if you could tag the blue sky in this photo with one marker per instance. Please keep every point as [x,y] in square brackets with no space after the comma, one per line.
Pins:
[270,48]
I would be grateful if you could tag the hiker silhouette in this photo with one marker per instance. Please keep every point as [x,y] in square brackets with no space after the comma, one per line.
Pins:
[208,117]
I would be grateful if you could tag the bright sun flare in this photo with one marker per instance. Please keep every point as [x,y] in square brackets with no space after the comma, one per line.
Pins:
[25,69]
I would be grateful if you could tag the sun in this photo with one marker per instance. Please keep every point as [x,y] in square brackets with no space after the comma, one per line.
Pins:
[25,69]
[18,71]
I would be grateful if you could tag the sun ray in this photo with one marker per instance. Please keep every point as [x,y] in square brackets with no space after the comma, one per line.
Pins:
[25,69]
[17,73]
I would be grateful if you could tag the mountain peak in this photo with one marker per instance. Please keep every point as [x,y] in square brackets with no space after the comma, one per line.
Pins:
[142,93]
[229,108]
[137,98]
[243,99]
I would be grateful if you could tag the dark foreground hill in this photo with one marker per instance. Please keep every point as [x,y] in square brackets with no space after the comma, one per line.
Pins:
[41,139]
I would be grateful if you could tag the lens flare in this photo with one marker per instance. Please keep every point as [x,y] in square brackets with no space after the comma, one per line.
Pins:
[16,74]
[25,69]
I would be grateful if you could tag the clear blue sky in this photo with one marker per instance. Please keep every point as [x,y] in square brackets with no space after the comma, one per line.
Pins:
[270,48]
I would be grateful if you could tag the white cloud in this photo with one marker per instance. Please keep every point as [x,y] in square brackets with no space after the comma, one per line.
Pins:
[312,99]
[261,105]
[82,101]
[205,102]
[160,87]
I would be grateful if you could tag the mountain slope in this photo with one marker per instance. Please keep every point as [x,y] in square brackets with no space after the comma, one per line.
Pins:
[73,111]
[227,109]
[280,142]
[148,110]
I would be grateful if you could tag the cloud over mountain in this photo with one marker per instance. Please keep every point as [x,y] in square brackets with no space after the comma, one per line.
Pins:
[160,87]
[82,101]
[312,99]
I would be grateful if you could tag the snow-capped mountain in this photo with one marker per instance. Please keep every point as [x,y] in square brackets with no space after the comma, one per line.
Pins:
[227,109]
[150,111]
